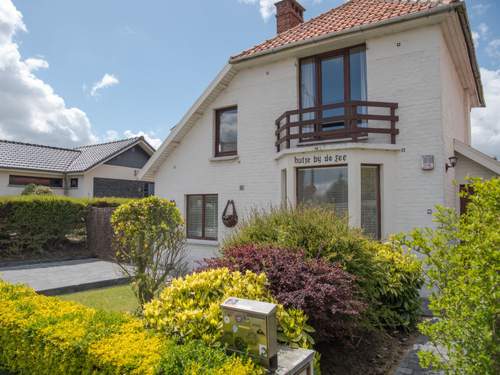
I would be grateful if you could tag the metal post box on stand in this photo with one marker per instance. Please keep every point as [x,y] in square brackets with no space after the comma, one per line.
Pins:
[250,326]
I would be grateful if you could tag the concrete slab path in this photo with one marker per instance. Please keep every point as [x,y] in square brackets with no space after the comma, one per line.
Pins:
[65,277]
[53,278]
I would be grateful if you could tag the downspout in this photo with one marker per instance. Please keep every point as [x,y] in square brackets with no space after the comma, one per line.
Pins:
[65,184]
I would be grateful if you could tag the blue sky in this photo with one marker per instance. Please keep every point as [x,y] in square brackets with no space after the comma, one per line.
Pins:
[158,56]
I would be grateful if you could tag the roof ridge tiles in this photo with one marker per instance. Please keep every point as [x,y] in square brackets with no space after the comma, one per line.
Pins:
[39,145]
[110,142]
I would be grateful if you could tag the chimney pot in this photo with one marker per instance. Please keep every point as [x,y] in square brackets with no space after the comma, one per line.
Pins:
[289,13]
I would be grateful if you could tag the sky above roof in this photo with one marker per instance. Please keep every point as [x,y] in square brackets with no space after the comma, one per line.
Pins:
[77,72]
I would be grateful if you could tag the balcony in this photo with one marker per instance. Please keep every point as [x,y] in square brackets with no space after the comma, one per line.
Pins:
[343,122]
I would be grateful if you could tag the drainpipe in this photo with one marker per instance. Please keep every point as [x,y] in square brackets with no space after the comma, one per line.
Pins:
[65,184]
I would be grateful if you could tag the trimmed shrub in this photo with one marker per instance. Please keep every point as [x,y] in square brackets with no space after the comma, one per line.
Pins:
[33,189]
[321,234]
[462,256]
[38,223]
[44,335]
[150,244]
[324,291]
[189,309]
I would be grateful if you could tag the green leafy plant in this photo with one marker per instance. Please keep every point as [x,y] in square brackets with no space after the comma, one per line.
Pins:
[462,258]
[32,189]
[44,335]
[189,308]
[150,244]
[321,234]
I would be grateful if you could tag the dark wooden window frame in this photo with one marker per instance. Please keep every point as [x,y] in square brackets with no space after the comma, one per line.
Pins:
[12,182]
[203,206]
[379,199]
[319,88]
[217,131]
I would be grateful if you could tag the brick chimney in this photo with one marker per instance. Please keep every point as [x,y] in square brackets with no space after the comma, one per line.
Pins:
[289,13]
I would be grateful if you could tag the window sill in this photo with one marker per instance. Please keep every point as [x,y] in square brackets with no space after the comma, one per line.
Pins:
[224,158]
[193,241]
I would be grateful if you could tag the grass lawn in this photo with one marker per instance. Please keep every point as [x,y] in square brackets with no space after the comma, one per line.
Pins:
[117,298]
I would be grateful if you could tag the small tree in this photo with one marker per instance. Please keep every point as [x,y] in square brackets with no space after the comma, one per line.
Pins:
[150,244]
[462,258]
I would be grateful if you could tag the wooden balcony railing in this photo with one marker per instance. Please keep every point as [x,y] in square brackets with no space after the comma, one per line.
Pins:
[349,120]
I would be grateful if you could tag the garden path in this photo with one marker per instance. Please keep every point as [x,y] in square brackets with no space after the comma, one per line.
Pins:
[54,278]
[64,277]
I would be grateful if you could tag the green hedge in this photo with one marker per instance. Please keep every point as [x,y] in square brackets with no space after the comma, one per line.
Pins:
[44,335]
[37,223]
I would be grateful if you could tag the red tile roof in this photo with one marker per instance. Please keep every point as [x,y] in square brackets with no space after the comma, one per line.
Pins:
[347,16]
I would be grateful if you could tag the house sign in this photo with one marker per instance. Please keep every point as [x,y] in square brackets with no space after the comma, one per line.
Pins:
[320,159]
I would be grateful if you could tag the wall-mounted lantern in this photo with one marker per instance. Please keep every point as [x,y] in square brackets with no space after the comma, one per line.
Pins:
[452,163]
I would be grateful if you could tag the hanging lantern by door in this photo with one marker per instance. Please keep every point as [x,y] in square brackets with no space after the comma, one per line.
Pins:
[229,216]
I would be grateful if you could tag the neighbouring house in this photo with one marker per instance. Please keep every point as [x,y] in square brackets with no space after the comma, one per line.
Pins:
[366,107]
[99,170]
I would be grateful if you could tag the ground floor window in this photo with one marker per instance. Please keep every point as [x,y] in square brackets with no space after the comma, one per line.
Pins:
[202,216]
[324,185]
[370,200]
[43,181]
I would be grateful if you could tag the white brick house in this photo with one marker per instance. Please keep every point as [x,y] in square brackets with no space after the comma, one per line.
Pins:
[405,66]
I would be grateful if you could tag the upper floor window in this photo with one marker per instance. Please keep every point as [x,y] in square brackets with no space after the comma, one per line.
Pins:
[329,79]
[226,131]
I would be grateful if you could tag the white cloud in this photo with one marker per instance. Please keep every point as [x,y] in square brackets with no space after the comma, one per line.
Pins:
[266,7]
[480,8]
[149,137]
[482,33]
[486,121]
[113,135]
[36,63]
[107,80]
[29,109]
[493,49]
[476,37]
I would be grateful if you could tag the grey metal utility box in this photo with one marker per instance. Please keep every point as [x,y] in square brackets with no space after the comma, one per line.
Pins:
[250,326]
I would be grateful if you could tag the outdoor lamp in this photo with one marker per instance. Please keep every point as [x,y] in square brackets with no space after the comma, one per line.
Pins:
[452,162]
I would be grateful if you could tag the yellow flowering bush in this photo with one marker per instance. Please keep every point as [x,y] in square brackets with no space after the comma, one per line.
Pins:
[44,335]
[190,307]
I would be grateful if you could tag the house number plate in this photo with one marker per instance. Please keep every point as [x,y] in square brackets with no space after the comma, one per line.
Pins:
[320,159]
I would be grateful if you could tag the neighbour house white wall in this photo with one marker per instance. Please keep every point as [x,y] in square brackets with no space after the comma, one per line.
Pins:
[86,181]
[6,189]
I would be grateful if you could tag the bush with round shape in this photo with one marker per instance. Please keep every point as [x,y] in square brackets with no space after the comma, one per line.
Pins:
[32,189]
[321,234]
[189,308]
[324,291]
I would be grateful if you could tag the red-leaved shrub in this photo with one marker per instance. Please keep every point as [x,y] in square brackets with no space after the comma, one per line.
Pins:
[325,292]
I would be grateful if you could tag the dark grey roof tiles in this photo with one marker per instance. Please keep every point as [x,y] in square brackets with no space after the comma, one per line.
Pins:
[29,156]
[18,155]
[94,154]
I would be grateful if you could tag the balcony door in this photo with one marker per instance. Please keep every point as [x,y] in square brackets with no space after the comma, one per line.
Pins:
[332,79]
